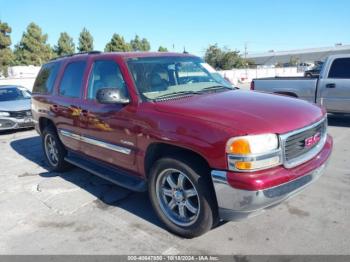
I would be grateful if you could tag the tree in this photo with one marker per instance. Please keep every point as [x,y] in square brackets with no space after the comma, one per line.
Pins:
[224,59]
[65,45]
[86,41]
[293,61]
[117,44]
[146,46]
[138,44]
[162,49]
[6,55]
[213,56]
[33,49]
[231,59]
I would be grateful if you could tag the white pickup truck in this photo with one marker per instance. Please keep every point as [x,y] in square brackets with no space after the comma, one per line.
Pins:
[331,89]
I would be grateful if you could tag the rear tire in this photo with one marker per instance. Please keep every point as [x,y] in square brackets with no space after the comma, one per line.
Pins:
[54,150]
[182,196]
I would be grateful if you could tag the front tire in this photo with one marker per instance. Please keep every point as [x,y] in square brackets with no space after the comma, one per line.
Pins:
[54,150]
[182,196]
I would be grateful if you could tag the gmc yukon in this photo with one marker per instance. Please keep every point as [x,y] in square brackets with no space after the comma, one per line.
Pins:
[170,124]
[331,89]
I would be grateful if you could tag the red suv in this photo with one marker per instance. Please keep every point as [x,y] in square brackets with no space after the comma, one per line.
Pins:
[170,124]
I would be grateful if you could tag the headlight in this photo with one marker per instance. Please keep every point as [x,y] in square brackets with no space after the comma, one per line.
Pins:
[4,113]
[255,152]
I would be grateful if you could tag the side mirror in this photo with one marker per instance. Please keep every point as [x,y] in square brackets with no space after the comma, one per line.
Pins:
[111,96]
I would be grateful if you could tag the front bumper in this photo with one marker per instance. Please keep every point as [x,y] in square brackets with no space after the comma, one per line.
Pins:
[237,203]
[10,123]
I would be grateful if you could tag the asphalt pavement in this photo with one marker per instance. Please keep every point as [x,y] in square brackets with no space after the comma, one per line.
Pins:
[78,213]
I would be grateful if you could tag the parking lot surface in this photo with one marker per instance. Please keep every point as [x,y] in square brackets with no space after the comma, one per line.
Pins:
[78,213]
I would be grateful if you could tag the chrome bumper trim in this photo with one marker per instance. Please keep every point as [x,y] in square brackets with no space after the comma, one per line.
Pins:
[235,204]
[95,142]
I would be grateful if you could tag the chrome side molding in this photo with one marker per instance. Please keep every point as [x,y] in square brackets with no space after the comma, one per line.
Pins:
[95,142]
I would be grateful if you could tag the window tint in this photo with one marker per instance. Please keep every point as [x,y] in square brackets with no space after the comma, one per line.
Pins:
[72,79]
[45,80]
[340,68]
[105,74]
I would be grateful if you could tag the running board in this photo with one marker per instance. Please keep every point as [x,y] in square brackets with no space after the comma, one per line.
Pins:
[107,172]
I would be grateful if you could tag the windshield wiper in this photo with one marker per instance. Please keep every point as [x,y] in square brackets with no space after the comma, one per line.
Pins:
[175,94]
[185,93]
[215,88]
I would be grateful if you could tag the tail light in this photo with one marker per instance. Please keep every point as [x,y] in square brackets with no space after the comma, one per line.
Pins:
[252,85]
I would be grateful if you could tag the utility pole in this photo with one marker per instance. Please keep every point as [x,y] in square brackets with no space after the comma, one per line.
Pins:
[245,58]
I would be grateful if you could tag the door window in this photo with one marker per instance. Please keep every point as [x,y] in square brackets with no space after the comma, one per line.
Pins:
[46,79]
[105,74]
[340,68]
[72,79]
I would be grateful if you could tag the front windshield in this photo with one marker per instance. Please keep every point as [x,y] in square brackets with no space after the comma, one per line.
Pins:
[157,77]
[13,93]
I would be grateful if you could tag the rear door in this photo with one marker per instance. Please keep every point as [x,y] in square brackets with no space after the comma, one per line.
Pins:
[67,103]
[335,89]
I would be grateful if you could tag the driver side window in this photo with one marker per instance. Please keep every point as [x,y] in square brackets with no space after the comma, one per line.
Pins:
[105,74]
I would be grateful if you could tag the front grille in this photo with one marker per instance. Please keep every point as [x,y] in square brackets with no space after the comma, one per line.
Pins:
[21,114]
[295,144]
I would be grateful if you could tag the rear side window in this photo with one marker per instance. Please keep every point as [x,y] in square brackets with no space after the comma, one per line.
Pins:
[72,79]
[46,78]
[340,68]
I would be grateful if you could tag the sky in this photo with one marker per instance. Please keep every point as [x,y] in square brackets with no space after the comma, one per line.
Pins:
[261,25]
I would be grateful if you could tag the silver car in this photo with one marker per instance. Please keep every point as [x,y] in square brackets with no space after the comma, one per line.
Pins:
[15,108]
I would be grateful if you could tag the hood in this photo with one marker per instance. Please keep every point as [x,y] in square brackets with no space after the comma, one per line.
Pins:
[246,112]
[15,105]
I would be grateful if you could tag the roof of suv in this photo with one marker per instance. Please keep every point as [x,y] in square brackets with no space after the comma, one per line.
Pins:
[125,55]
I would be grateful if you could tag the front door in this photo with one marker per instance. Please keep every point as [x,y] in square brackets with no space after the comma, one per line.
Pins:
[336,87]
[107,132]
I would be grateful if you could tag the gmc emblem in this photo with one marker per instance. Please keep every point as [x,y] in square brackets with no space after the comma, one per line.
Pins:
[312,140]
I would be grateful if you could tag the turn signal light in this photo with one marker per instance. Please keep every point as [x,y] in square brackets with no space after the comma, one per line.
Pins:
[239,147]
[242,165]
[257,164]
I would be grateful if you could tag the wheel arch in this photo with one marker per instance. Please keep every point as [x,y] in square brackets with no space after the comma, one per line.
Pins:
[45,122]
[158,150]
[287,94]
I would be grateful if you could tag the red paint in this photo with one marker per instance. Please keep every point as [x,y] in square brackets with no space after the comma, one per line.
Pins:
[201,123]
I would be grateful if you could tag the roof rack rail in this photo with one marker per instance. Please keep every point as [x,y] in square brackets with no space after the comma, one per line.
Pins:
[80,53]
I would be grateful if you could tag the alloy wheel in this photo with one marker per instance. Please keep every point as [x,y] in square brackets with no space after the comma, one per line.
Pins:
[178,197]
